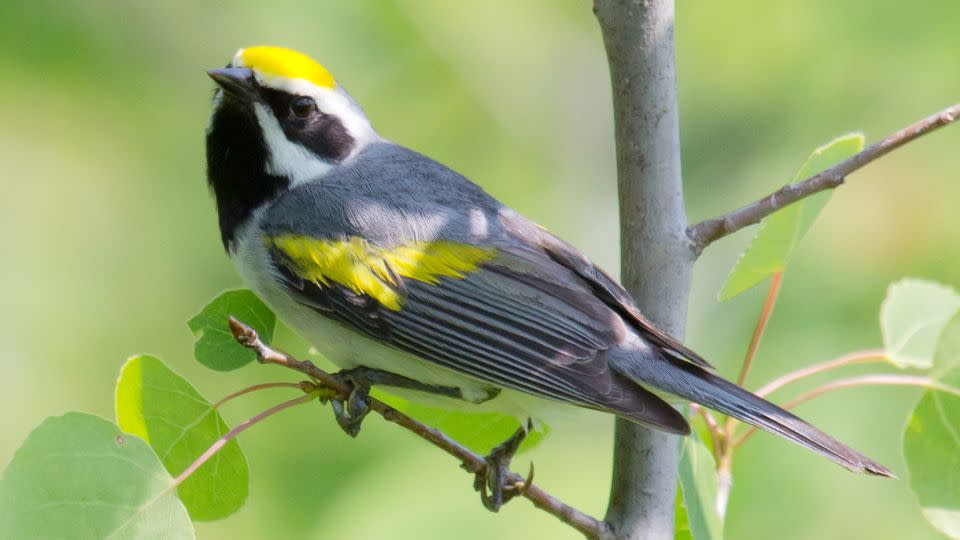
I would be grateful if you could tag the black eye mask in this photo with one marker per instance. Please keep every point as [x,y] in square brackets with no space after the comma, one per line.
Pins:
[302,122]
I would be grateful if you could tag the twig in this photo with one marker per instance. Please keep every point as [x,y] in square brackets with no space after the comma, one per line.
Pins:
[471,462]
[859,357]
[230,435]
[863,380]
[705,233]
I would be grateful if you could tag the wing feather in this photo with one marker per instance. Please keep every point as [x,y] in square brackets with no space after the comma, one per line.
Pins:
[605,287]
[509,351]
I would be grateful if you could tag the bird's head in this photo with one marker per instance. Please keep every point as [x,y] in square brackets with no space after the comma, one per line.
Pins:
[279,119]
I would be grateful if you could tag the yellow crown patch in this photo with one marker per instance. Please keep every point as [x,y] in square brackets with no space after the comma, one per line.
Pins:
[283,62]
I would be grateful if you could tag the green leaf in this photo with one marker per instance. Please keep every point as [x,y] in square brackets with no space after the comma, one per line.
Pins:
[947,357]
[478,431]
[911,318]
[931,446]
[681,523]
[215,346]
[162,408]
[698,486]
[78,476]
[780,232]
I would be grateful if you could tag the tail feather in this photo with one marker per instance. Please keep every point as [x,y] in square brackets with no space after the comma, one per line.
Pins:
[696,384]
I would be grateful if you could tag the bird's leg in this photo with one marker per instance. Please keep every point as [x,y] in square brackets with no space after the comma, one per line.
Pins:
[494,475]
[385,378]
[350,414]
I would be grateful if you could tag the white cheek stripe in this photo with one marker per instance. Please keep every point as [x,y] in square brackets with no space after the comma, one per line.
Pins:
[293,160]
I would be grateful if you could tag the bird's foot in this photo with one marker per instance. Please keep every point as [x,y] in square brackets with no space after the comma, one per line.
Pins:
[493,481]
[350,413]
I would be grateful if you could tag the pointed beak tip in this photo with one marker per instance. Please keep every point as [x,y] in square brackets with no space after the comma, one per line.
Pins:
[229,73]
[236,81]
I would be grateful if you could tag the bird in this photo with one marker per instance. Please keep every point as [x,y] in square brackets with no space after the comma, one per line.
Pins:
[408,276]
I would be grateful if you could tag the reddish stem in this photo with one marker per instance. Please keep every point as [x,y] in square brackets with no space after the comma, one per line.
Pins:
[859,357]
[863,380]
[716,432]
[772,293]
[230,435]
[254,388]
[771,300]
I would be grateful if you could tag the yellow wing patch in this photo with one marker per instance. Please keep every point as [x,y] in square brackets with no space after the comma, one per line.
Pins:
[367,269]
[283,62]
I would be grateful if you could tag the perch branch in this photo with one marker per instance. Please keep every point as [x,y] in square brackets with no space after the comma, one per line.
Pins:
[471,462]
[705,233]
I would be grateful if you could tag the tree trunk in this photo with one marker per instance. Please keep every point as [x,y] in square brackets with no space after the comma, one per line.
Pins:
[656,255]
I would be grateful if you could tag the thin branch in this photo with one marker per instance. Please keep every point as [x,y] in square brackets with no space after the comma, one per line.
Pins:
[863,380]
[705,233]
[859,357]
[471,462]
[230,435]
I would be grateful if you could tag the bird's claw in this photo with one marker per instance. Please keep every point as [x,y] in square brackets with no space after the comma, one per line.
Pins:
[493,481]
[350,413]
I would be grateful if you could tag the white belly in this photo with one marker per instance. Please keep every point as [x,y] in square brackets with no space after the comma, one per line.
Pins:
[346,348]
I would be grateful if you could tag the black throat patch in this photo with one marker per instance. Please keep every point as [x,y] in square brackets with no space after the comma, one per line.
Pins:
[236,167]
[237,154]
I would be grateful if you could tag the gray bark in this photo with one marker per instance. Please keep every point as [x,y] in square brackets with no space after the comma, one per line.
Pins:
[656,255]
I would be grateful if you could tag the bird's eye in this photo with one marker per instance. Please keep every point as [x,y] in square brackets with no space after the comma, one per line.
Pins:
[302,106]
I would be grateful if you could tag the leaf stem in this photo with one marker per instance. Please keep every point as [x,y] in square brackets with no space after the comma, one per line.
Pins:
[771,300]
[776,281]
[713,427]
[858,357]
[240,428]
[863,380]
[254,388]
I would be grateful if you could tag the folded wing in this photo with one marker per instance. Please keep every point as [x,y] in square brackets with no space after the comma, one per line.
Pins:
[512,318]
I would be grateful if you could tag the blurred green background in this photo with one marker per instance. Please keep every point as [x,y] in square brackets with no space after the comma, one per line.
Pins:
[111,242]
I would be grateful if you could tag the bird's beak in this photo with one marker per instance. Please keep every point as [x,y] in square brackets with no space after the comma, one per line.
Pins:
[237,82]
